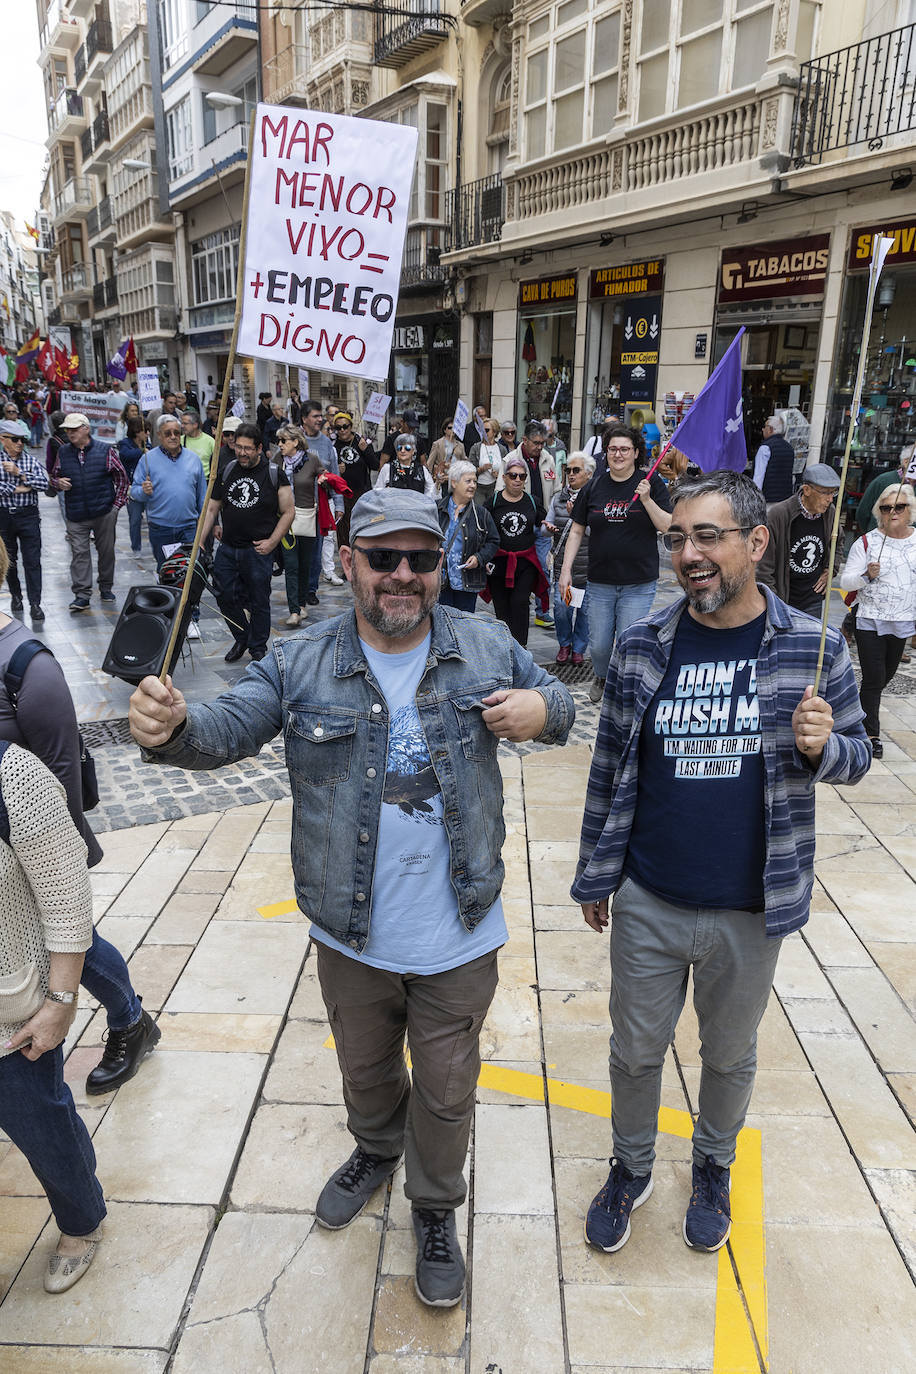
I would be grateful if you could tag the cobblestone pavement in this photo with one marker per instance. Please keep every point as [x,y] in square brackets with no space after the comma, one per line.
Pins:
[213,1156]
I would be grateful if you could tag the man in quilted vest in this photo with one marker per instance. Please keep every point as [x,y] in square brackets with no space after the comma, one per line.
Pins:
[89,473]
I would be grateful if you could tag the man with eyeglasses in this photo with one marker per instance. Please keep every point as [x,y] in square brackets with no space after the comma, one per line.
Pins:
[699,819]
[391,714]
[90,474]
[252,502]
[21,479]
[795,564]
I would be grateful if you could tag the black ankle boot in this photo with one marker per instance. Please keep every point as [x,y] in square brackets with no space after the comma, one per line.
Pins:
[125,1051]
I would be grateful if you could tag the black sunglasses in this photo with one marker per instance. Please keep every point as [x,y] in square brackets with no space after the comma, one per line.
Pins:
[18,439]
[573,472]
[897,506]
[515,477]
[387,560]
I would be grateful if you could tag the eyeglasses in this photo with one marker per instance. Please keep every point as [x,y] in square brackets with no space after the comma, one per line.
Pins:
[897,506]
[508,431]
[573,472]
[515,477]
[18,439]
[627,448]
[388,560]
[707,537]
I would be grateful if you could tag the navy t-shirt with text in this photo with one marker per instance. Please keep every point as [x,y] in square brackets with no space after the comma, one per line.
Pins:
[698,836]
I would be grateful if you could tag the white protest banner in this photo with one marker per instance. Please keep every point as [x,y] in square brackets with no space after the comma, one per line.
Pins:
[103,416]
[910,474]
[150,396]
[303,383]
[328,198]
[461,417]
[376,406]
[238,409]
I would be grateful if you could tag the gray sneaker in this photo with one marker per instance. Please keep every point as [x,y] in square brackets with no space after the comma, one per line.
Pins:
[440,1269]
[348,1190]
[596,690]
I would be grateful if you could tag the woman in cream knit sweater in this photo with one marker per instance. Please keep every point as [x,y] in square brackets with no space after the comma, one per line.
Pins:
[45,928]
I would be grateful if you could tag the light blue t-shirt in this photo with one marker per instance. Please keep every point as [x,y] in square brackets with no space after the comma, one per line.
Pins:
[414,926]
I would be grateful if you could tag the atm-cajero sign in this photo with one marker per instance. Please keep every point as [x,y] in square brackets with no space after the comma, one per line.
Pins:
[785,267]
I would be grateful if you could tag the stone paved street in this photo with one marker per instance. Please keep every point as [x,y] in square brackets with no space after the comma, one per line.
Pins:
[213,1156]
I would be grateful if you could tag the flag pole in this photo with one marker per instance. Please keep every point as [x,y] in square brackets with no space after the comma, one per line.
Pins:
[224,399]
[880,249]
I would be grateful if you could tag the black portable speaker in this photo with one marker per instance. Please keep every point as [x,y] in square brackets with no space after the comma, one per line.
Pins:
[141,636]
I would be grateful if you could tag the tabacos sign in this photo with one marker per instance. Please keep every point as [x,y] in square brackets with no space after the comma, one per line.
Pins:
[902,231]
[785,267]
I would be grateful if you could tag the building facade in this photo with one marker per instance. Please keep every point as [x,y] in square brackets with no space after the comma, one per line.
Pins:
[20,299]
[108,272]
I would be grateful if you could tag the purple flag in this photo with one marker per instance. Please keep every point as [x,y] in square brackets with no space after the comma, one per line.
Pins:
[711,434]
[116,366]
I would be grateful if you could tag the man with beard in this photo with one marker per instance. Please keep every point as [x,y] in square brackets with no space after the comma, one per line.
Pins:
[699,818]
[391,714]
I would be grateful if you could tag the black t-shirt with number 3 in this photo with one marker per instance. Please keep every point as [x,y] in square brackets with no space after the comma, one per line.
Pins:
[250,505]
[622,541]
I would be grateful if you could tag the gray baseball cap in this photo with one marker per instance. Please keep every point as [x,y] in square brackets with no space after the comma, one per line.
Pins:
[11,428]
[822,475]
[386,510]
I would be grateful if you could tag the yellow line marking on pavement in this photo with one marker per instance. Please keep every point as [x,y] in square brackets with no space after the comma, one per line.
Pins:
[277,909]
[733,1351]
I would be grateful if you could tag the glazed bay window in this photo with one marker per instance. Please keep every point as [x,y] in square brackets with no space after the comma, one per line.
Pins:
[173,32]
[571,75]
[689,51]
[427,198]
[180,139]
[214,266]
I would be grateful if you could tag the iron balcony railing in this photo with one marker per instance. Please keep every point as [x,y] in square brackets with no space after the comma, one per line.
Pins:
[861,94]
[54,316]
[79,64]
[86,143]
[99,217]
[475,213]
[100,128]
[68,105]
[422,251]
[98,39]
[105,293]
[411,27]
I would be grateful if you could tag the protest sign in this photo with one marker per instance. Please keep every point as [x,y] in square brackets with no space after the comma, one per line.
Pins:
[99,409]
[376,406]
[461,418]
[238,409]
[303,382]
[150,397]
[328,198]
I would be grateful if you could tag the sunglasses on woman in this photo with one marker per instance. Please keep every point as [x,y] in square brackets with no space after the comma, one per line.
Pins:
[897,506]
[573,472]
[387,560]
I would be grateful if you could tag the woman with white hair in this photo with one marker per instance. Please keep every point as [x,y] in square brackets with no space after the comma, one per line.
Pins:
[882,568]
[571,622]
[471,539]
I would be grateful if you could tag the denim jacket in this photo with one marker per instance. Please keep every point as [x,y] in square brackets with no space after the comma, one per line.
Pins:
[319,690]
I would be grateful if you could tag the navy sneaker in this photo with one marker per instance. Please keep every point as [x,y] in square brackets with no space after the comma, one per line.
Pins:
[607,1223]
[709,1214]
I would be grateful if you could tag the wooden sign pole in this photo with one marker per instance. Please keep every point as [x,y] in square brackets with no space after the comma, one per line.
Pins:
[224,400]
[874,274]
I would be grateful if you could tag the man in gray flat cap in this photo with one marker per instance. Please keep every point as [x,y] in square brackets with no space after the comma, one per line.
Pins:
[391,714]
[22,477]
[795,562]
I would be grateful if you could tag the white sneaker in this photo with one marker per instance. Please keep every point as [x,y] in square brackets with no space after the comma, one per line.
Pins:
[293,619]
[192,632]
[334,580]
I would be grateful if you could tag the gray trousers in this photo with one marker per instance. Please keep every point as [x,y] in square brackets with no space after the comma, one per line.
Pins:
[429,1116]
[103,530]
[653,947]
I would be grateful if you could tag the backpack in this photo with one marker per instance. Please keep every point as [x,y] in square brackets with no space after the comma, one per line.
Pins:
[12,681]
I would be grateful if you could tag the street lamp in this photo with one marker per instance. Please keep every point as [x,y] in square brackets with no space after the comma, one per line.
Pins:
[221,100]
[136,164]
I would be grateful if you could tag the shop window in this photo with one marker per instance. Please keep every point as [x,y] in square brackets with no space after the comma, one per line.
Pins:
[546,346]
[571,76]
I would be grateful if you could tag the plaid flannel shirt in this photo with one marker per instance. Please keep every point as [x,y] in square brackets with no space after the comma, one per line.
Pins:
[34,476]
[785,667]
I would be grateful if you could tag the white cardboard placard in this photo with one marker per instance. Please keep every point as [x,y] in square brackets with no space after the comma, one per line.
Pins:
[328,198]
[150,397]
